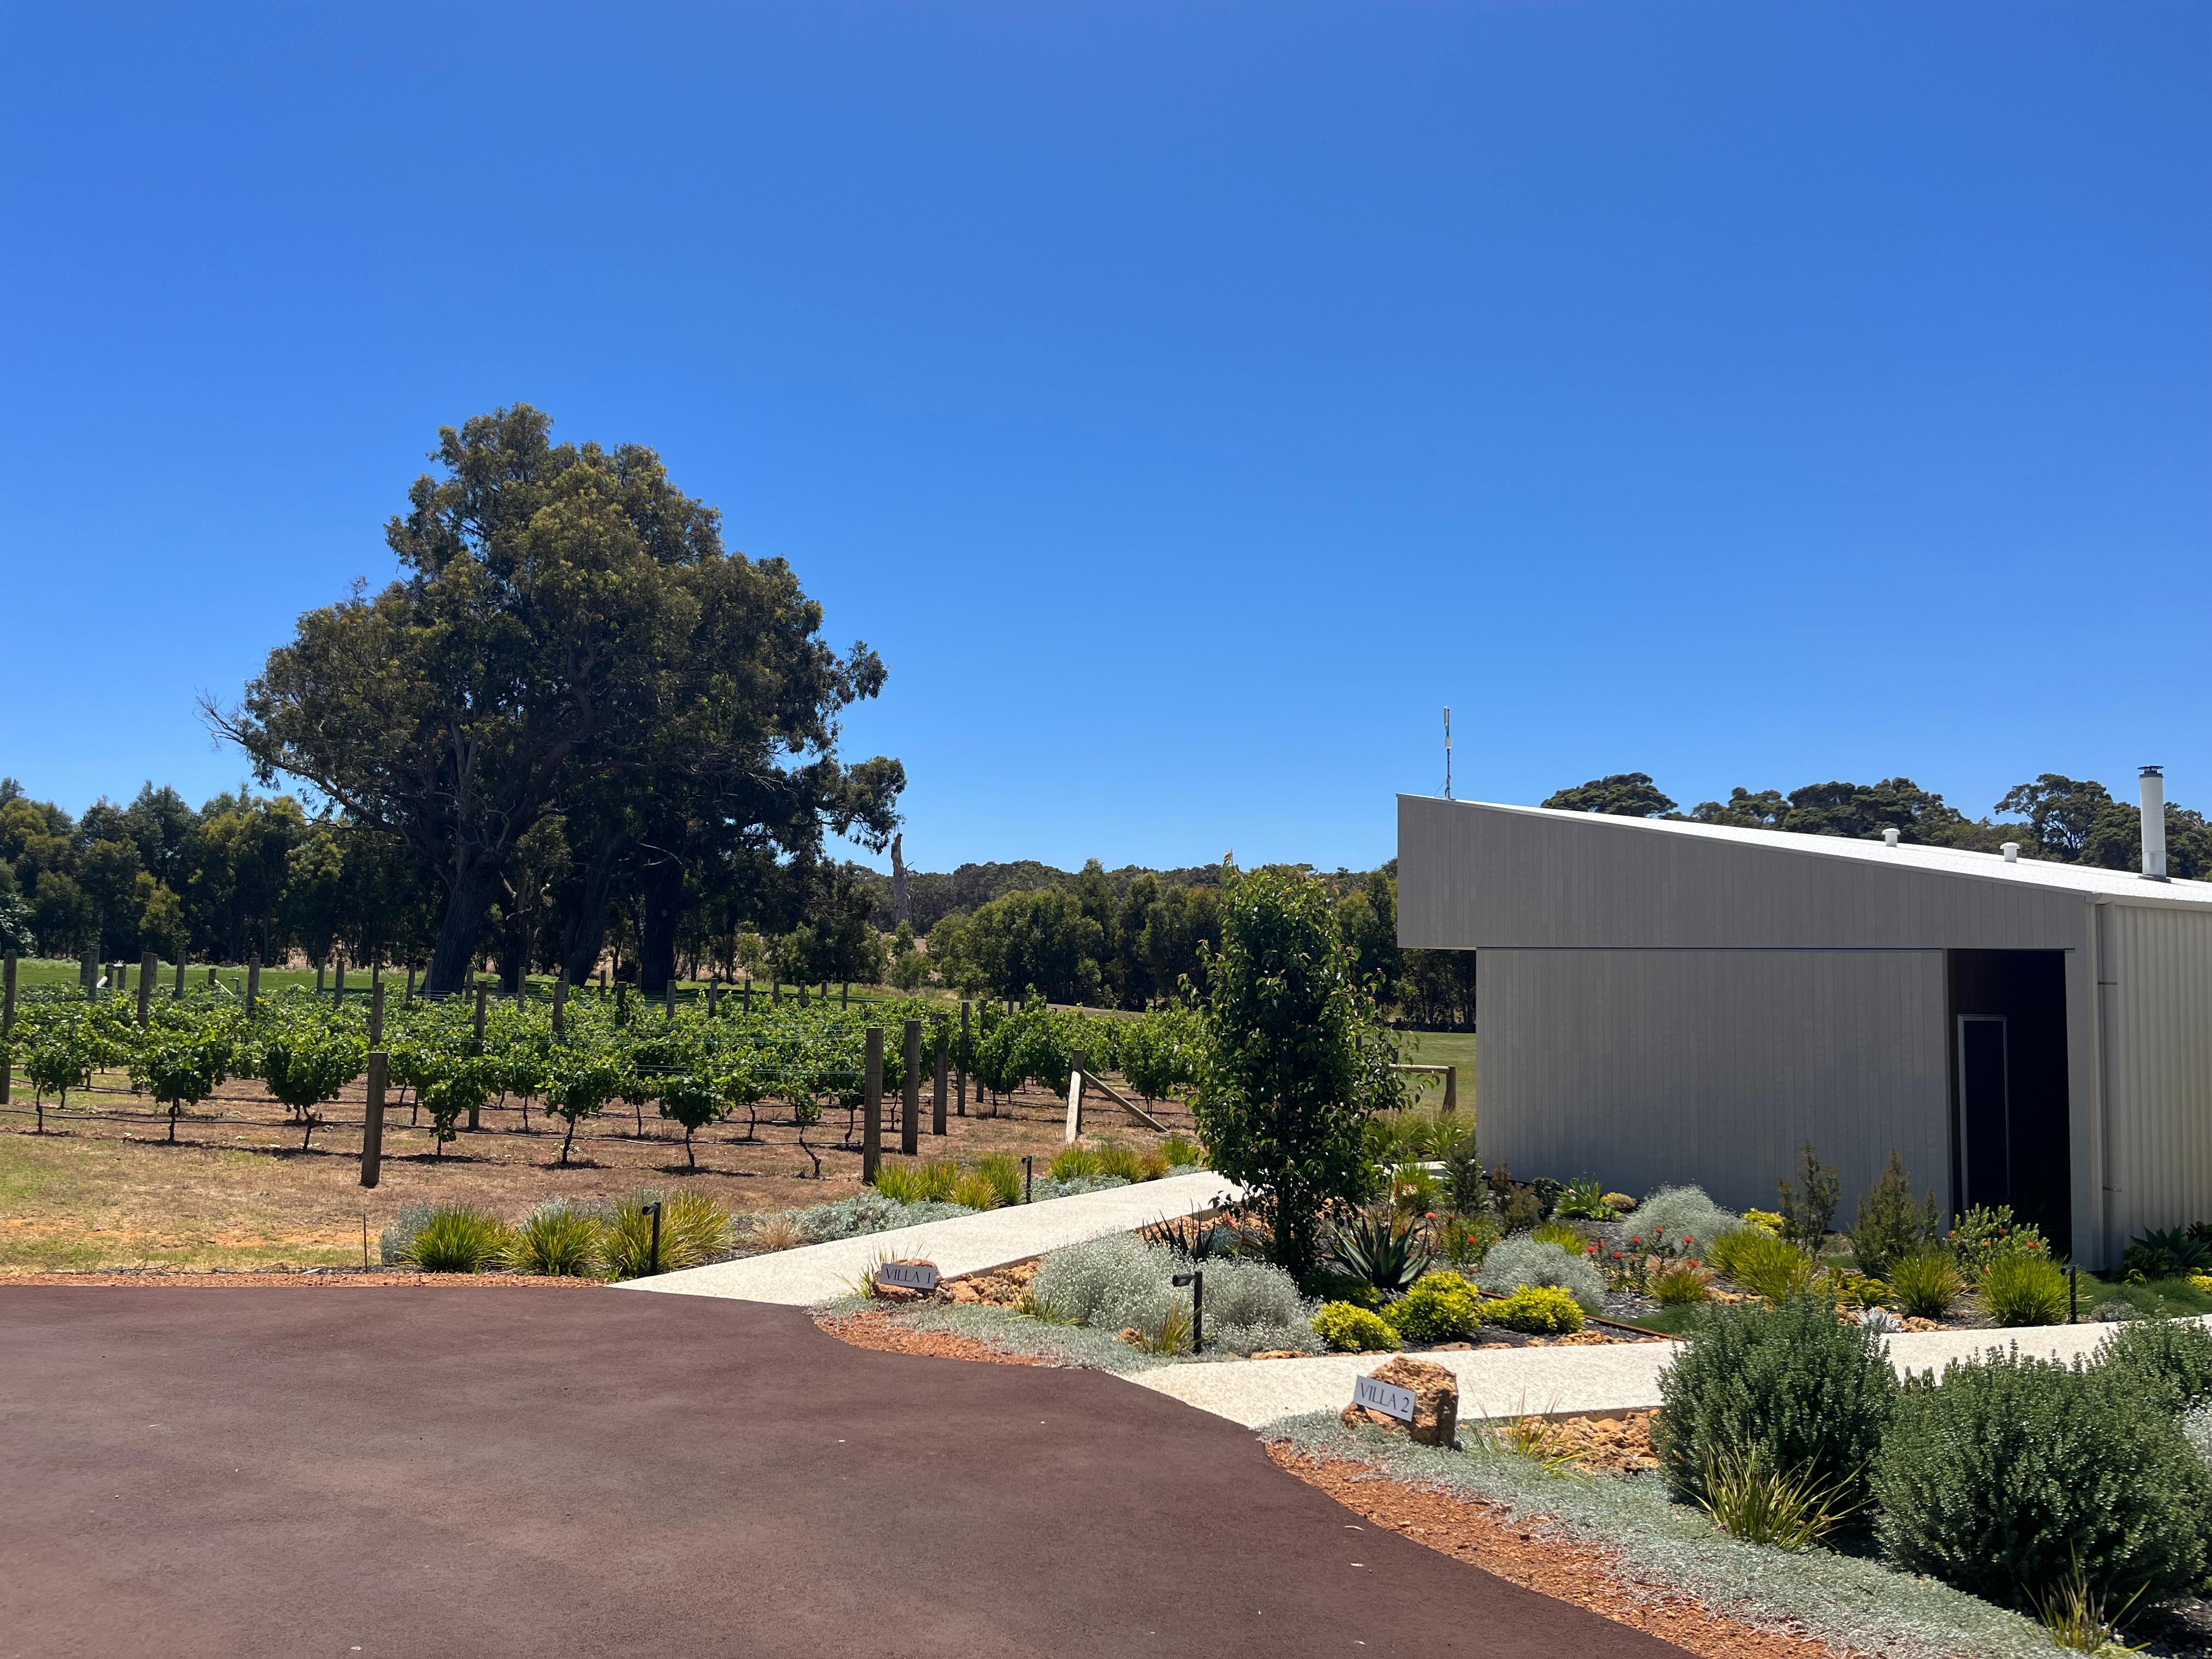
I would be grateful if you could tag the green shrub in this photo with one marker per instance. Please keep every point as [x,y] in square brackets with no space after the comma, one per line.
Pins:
[1004,1175]
[2024,1290]
[975,1192]
[1790,1381]
[1545,1310]
[1181,1151]
[1809,1206]
[1075,1163]
[1584,1200]
[1120,1162]
[455,1238]
[693,1229]
[558,1240]
[1463,1240]
[1512,1263]
[1681,1284]
[1926,1282]
[2017,1474]
[1986,1234]
[1349,1329]
[1562,1234]
[1465,1176]
[1765,1265]
[2164,1362]
[1442,1307]
[1887,1225]
[2167,1253]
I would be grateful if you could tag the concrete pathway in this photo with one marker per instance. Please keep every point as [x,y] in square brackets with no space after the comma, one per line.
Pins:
[1552,1381]
[961,1244]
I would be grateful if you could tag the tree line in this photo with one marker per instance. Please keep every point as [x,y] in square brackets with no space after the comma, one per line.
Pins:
[2068,820]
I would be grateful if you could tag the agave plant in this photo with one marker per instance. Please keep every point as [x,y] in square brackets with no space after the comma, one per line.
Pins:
[2168,1253]
[1380,1249]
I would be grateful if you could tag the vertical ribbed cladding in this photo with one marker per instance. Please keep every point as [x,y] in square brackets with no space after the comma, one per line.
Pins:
[2154,822]
[2159,1061]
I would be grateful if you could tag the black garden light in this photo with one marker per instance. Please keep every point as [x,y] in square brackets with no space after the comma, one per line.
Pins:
[652,1255]
[1196,1279]
[1028,1177]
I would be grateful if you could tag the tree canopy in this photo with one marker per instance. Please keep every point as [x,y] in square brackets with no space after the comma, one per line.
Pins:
[565,616]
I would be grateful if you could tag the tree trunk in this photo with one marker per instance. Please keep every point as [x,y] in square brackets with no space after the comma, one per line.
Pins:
[588,934]
[455,957]
[656,934]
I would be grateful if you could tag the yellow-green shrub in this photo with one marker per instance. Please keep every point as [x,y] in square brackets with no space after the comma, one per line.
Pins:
[1350,1329]
[1440,1307]
[1544,1309]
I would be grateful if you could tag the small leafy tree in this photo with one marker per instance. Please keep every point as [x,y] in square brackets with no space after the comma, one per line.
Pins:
[304,1068]
[454,1083]
[181,1069]
[579,1085]
[1295,1058]
[54,1065]
[692,1097]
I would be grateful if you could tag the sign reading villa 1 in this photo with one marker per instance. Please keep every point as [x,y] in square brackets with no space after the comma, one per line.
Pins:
[1384,1397]
[916,1276]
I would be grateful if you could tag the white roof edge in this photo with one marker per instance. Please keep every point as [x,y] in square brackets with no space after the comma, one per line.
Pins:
[2090,881]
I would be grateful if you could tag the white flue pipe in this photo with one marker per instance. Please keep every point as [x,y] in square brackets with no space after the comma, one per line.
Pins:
[2154,822]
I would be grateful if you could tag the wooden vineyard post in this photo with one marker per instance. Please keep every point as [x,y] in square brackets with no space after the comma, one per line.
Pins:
[1076,1058]
[910,1096]
[376,1013]
[252,983]
[963,1059]
[668,1002]
[149,969]
[371,1123]
[410,981]
[481,997]
[179,996]
[560,1007]
[91,977]
[937,1097]
[7,1024]
[338,997]
[748,993]
[845,998]
[872,1108]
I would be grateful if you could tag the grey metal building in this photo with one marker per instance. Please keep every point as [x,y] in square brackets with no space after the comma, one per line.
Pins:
[1678,1002]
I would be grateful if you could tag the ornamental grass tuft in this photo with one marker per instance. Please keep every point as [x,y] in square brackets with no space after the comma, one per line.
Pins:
[456,1238]
[2024,1290]
[1926,1283]
[559,1240]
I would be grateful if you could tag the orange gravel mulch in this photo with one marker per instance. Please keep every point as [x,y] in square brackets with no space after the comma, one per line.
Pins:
[888,1335]
[1484,1536]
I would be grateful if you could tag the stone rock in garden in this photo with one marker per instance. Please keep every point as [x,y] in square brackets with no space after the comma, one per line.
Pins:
[1436,1401]
[887,1292]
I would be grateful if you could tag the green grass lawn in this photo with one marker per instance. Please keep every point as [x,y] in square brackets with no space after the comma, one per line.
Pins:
[1441,1048]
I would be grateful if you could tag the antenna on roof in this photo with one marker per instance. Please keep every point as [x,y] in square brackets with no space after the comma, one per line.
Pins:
[1448,754]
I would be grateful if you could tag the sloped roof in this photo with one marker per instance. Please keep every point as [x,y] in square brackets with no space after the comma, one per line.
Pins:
[2121,885]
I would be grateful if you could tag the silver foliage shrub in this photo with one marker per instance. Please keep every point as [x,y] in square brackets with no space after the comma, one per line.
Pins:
[2197,1426]
[1122,1283]
[392,1242]
[868,1212]
[1514,1262]
[1683,1211]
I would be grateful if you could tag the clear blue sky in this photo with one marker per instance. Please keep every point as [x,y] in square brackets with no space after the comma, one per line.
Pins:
[1187,402]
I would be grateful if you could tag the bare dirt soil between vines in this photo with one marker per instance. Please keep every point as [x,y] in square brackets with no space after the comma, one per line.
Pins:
[102,1189]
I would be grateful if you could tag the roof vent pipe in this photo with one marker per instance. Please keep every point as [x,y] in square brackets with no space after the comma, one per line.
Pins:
[2011,851]
[1889,838]
[2154,822]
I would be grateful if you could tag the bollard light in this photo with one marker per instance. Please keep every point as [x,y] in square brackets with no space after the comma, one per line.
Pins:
[652,1255]
[1028,1177]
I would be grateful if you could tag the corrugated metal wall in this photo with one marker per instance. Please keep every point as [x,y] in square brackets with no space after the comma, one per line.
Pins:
[1471,875]
[1652,1067]
[2157,974]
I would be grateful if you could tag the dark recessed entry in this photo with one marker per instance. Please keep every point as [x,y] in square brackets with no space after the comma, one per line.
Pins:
[2008,1098]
